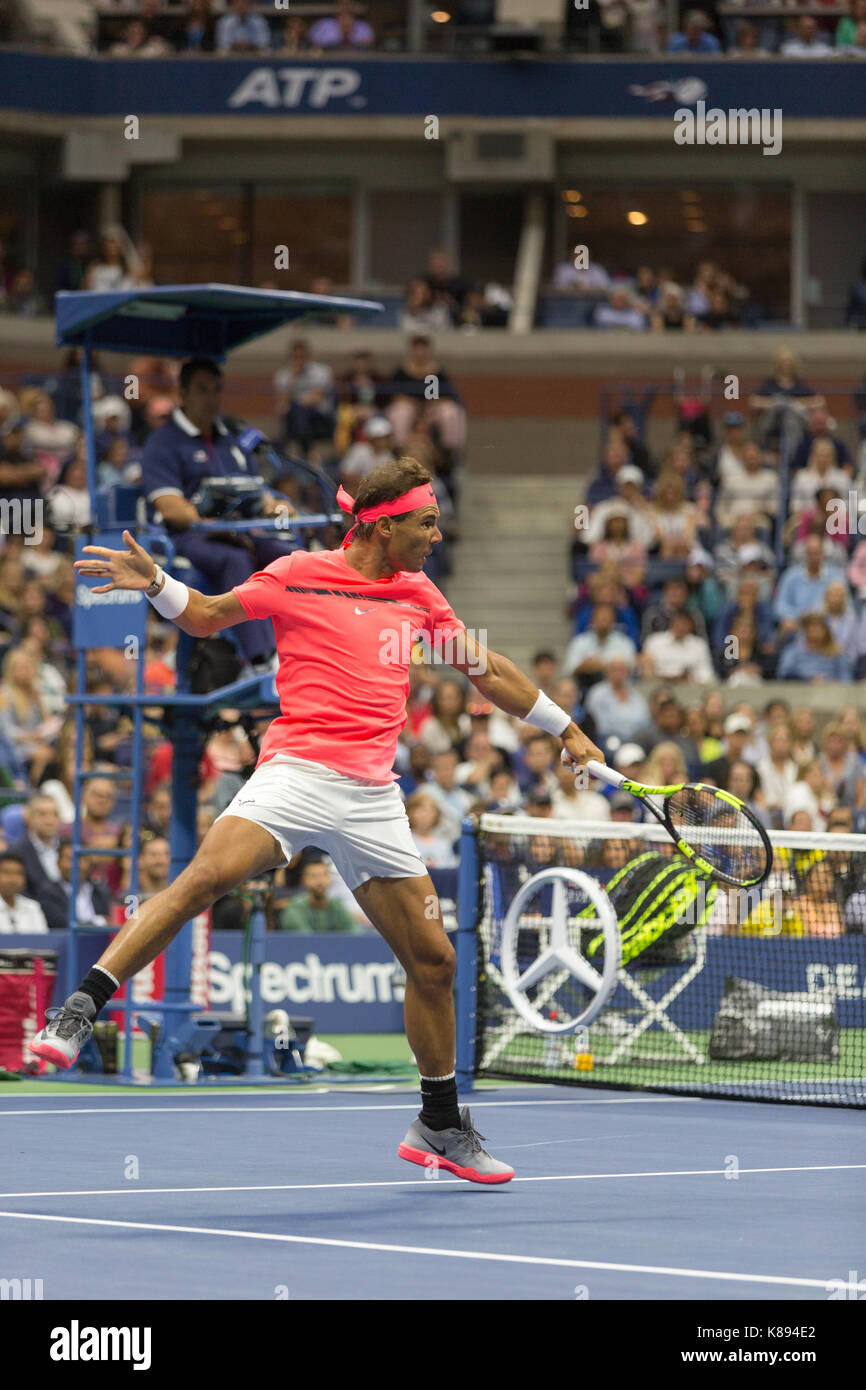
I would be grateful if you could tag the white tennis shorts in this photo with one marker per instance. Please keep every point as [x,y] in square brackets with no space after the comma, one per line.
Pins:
[362,825]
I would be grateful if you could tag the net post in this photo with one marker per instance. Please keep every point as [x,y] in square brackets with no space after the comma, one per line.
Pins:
[467,953]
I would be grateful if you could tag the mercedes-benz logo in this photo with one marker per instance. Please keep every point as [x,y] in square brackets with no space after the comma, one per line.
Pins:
[559,959]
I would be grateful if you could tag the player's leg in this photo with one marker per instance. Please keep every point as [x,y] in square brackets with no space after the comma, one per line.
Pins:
[233,851]
[406,912]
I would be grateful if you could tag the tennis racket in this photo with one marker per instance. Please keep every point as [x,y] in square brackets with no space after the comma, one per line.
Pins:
[709,826]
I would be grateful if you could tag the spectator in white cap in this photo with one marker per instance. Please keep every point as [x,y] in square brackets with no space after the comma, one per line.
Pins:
[376,447]
[112,419]
[737,730]
[629,500]
[616,707]
[629,759]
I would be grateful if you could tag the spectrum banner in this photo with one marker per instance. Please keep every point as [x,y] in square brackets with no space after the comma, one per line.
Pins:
[829,89]
[116,619]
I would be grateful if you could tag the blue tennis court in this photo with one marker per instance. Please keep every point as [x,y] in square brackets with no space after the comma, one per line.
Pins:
[264,1195]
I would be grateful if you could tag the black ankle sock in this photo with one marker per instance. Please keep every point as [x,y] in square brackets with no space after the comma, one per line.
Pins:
[99,985]
[439,1109]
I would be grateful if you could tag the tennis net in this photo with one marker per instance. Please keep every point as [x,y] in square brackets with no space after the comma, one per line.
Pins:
[710,990]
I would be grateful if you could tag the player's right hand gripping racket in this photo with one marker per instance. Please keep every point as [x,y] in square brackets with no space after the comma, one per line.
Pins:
[712,828]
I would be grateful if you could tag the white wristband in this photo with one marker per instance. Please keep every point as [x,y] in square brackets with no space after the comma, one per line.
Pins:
[172,598]
[548,716]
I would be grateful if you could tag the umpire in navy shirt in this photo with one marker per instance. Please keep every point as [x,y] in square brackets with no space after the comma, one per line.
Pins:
[192,445]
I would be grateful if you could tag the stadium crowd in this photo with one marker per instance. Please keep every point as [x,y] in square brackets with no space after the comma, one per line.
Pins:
[675,578]
[653,300]
[438,299]
[157,28]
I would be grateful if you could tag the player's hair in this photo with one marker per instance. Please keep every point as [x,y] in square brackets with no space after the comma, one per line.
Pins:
[198,364]
[383,484]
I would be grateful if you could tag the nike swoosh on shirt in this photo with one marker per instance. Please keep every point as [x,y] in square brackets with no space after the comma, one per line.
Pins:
[363,610]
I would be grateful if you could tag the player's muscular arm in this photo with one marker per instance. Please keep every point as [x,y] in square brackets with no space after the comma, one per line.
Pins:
[505,685]
[498,679]
[212,613]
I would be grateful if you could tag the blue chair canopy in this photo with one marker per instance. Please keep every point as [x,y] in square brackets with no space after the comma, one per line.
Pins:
[185,320]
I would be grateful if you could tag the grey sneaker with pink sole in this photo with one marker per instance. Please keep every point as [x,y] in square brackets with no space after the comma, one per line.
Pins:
[66,1031]
[457,1151]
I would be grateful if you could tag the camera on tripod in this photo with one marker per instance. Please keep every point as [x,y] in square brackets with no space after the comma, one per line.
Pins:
[239,497]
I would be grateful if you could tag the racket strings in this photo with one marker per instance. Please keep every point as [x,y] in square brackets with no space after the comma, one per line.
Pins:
[722,834]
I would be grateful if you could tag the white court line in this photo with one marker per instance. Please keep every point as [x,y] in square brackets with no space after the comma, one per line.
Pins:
[487,1255]
[415,1182]
[331,1109]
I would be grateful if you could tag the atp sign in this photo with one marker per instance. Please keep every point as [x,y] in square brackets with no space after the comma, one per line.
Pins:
[298,87]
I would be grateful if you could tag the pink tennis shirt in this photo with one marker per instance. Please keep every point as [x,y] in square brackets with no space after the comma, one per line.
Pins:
[344,645]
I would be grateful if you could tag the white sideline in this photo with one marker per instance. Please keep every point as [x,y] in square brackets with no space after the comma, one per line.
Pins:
[131,1188]
[330,1109]
[486,1255]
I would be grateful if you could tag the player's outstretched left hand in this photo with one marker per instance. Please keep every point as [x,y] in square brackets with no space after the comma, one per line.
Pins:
[132,568]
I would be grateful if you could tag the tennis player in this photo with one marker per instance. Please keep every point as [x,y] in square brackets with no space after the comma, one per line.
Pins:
[324,775]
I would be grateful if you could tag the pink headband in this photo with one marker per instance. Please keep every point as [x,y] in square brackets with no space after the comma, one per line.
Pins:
[422,496]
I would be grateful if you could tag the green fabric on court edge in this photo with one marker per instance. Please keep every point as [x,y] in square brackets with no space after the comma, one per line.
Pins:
[301,916]
[361,1068]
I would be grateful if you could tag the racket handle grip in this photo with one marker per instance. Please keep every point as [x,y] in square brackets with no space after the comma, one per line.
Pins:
[605,773]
